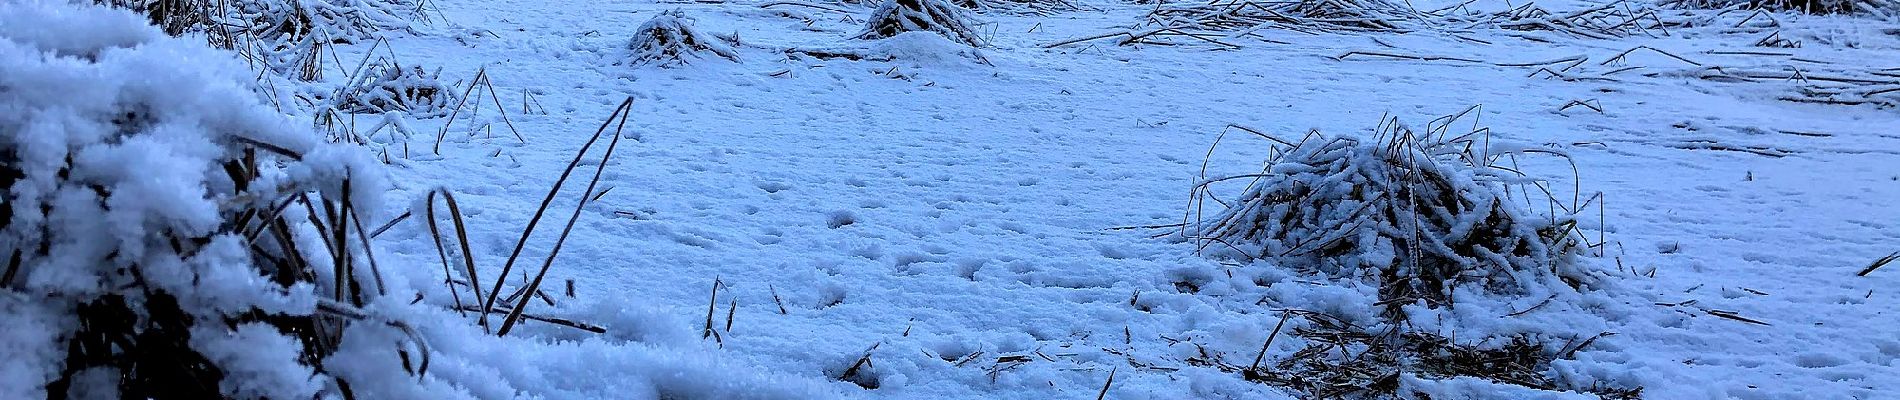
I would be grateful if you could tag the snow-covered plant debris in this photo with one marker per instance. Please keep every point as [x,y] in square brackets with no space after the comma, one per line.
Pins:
[669,40]
[391,87]
[1642,19]
[166,235]
[915,49]
[1341,361]
[1418,217]
[898,16]
[1303,15]
[1019,6]
[1878,8]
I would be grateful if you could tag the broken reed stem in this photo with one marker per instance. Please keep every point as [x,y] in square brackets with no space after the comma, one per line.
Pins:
[335,309]
[1603,227]
[1284,315]
[1405,56]
[711,302]
[557,321]
[340,241]
[775,299]
[1881,262]
[481,79]
[439,136]
[1620,56]
[730,312]
[500,109]
[619,113]
[862,361]
[1111,381]
[369,254]
[468,256]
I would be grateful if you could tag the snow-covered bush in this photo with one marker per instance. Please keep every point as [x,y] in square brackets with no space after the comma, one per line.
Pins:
[898,16]
[669,39]
[166,235]
[390,87]
[1418,218]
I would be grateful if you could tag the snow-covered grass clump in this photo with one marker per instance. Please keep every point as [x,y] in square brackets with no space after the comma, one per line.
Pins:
[669,40]
[1419,217]
[898,16]
[1425,224]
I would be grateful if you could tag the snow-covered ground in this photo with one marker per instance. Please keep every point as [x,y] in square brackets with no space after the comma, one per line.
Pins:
[959,216]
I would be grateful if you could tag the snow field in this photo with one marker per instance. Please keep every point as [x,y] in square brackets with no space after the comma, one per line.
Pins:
[931,220]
